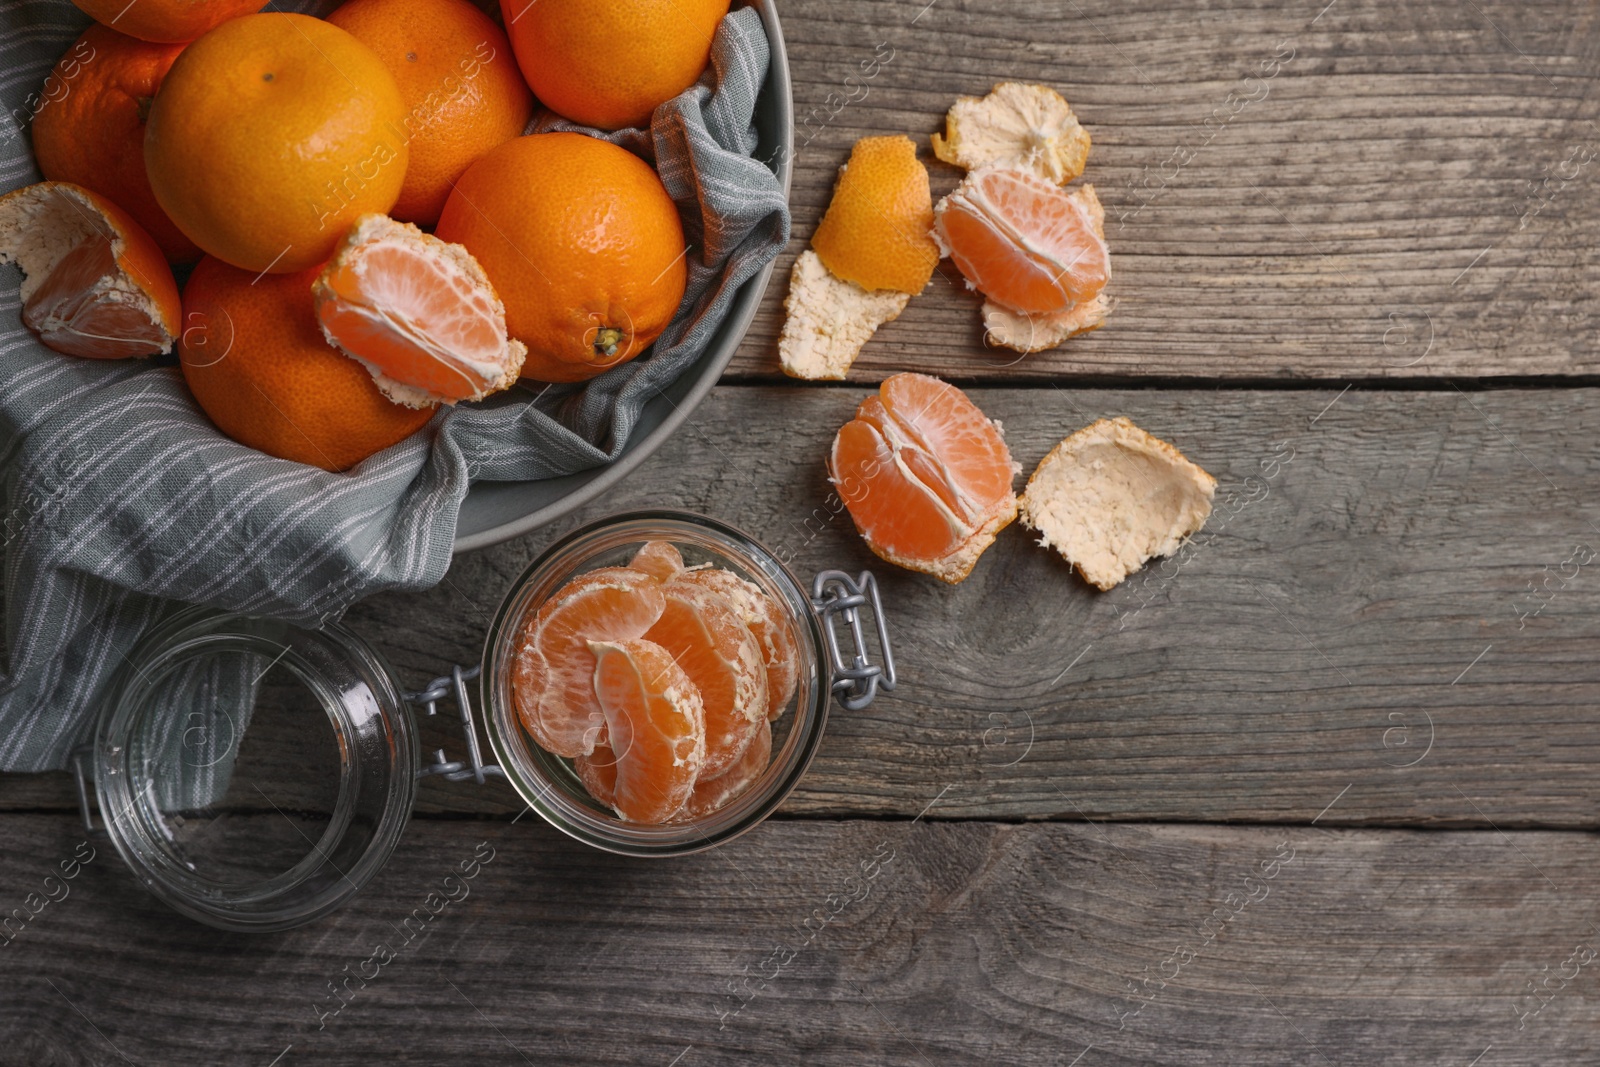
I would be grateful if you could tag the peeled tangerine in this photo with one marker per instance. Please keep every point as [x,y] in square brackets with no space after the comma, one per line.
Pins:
[95,284]
[1037,251]
[872,253]
[926,476]
[1111,496]
[418,312]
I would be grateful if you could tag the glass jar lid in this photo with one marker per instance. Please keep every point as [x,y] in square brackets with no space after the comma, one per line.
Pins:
[254,774]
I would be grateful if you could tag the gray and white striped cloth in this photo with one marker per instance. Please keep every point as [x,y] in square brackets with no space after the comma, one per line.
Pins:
[122,503]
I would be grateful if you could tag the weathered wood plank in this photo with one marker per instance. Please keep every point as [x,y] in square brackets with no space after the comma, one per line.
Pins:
[1359,597]
[946,943]
[1390,190]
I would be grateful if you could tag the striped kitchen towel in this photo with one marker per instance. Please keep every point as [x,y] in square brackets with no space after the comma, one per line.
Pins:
[122,503]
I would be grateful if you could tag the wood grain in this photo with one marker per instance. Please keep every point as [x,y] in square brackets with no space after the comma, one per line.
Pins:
[1346,628]
[1409,193]
[933,943]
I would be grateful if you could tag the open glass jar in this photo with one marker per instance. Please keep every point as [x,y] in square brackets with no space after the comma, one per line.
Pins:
[255,774]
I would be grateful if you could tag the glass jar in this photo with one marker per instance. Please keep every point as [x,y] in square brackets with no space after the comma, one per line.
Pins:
[255,774]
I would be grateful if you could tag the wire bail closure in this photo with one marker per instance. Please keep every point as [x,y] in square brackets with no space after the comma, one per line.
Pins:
[455,684]
[835,593]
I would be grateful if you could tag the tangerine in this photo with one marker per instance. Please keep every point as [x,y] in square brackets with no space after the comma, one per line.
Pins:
[165,21]
[93,133]
[418,312]
[655,725]
[270,136]
[256,361]
[708,639]
[95,283]
[582,243]
[1023,241]
[553,678]
[926,477]
[459,80]
[609,63]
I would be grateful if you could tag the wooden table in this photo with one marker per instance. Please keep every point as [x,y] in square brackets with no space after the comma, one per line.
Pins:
[1367,280]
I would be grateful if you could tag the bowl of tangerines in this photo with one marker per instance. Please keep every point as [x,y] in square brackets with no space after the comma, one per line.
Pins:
[340,227]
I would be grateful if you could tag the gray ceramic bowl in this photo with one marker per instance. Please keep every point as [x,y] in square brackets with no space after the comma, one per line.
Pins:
[497,511]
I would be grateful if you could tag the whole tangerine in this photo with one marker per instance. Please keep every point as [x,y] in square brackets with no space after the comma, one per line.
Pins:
[462,90]
[270,136]
[608,63]
[257,363]
[90,128]
[581,241]
[166,21]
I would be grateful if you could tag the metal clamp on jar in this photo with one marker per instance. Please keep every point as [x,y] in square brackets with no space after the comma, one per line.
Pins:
[272,827]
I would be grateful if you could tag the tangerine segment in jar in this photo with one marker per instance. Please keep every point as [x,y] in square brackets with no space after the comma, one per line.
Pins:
[925,475]
[709,640]
[655,724]
[713,794]
[553,677]
[1022,241]
[659,559]
[96,284]
[780,650]
[90,129]
[418,312]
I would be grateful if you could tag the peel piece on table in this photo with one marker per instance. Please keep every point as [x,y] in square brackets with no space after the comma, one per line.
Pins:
[1111,496]
[926,477]
[1018,126]
[418,313]
[827,320]
[875,232]
[95,283]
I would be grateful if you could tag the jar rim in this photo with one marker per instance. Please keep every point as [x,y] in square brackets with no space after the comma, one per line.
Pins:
[551,792]
[375,738]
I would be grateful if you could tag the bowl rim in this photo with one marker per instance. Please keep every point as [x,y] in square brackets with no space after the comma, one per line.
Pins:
[707,371]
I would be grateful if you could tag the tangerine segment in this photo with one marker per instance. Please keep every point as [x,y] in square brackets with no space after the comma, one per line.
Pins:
[876,230]
[655,723]
[1022,241]
[710,641]
[598,773]
[926,477]
[712,794]
[418,312]
[96,284]
[552,679]
[659,559]
[767,624]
